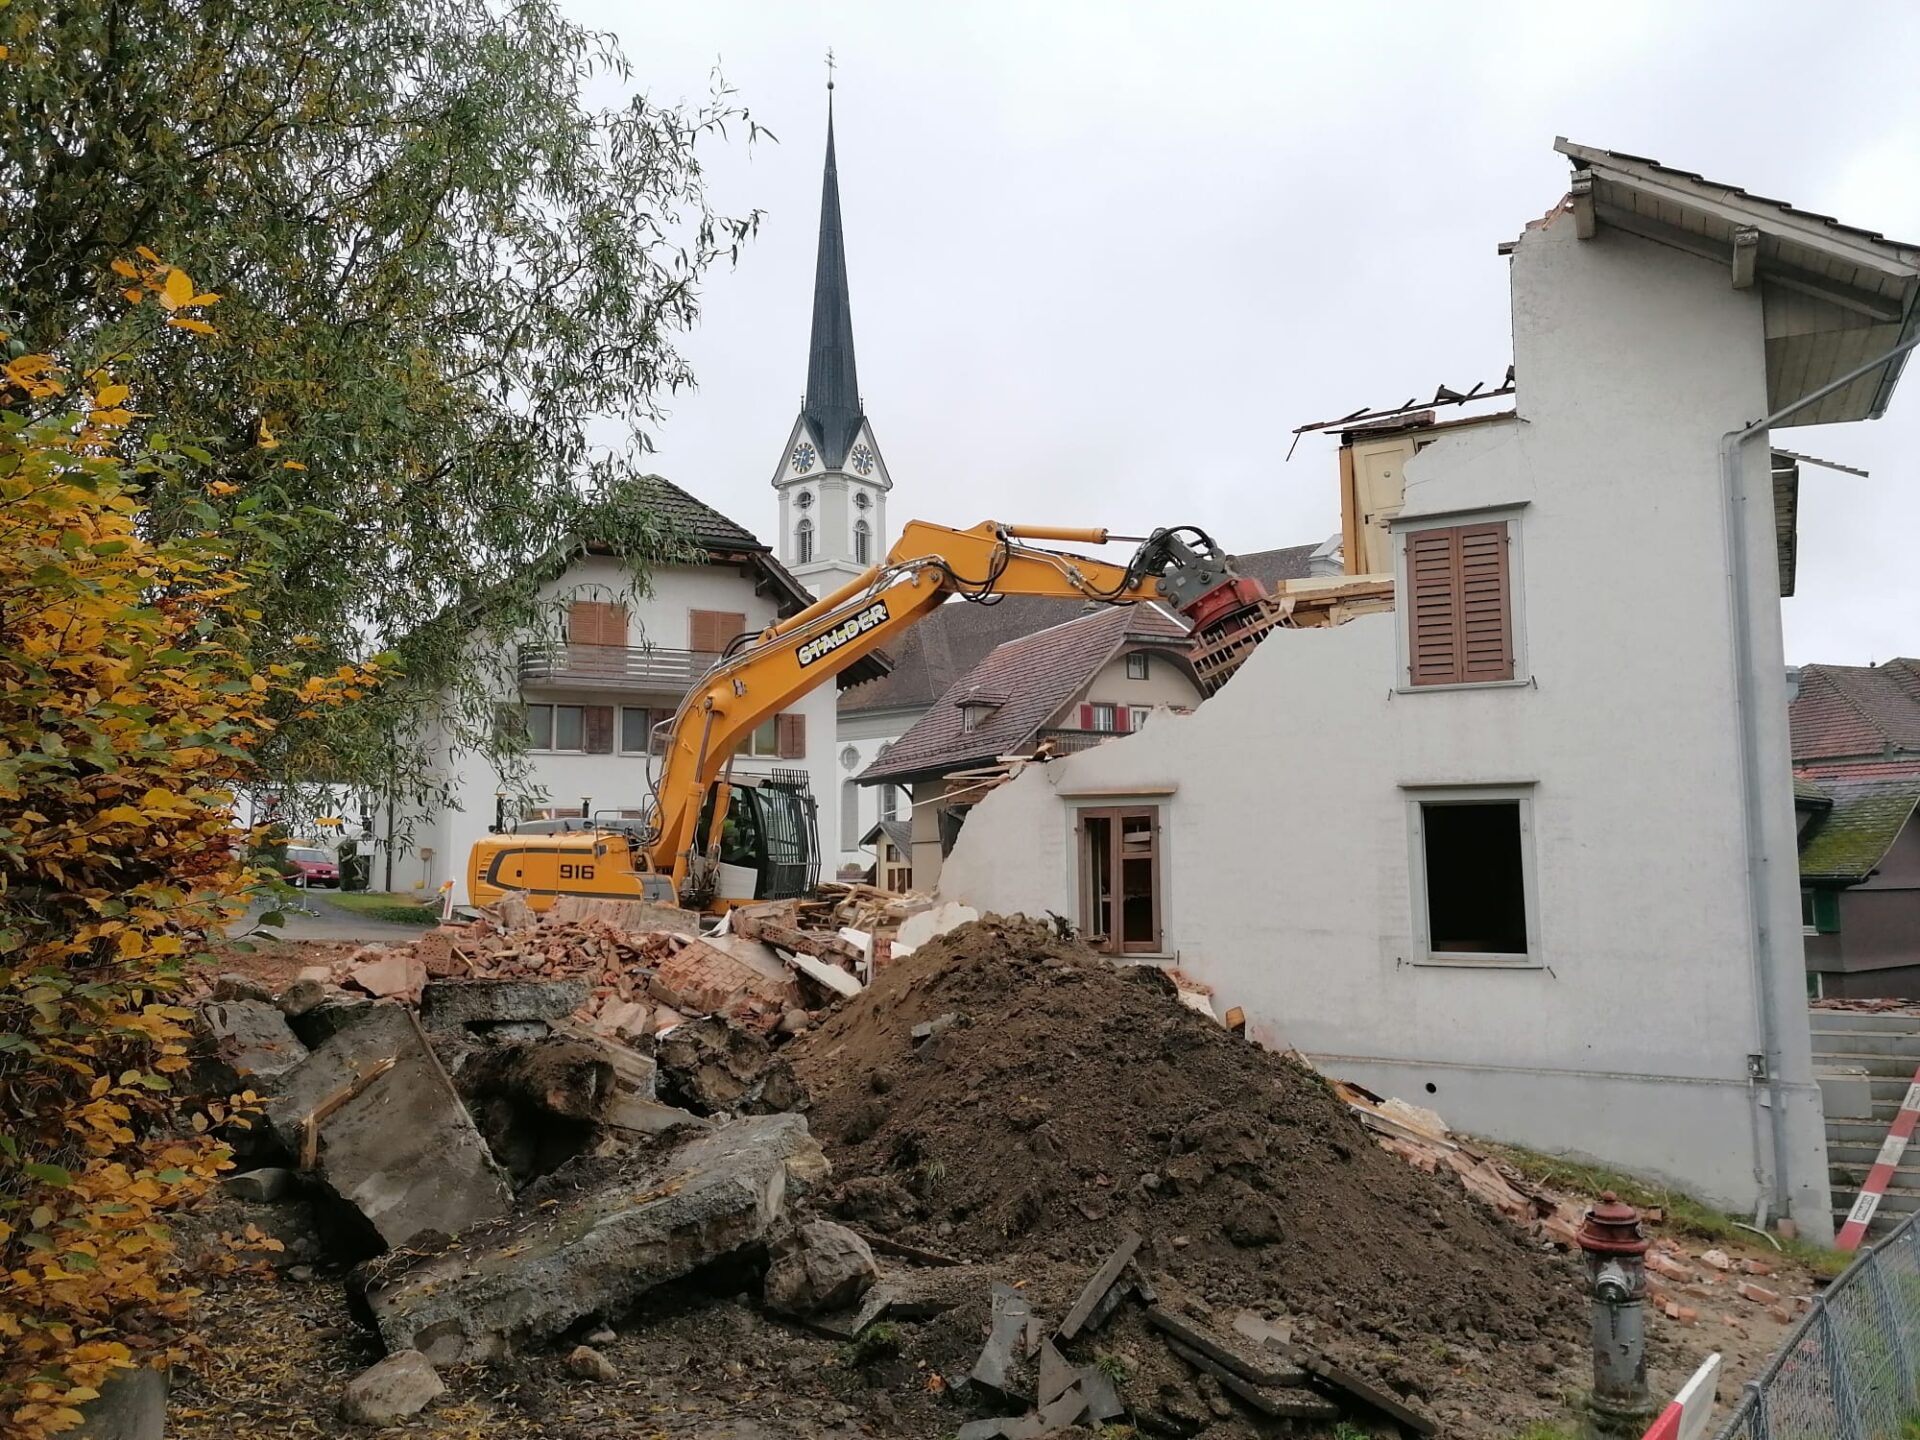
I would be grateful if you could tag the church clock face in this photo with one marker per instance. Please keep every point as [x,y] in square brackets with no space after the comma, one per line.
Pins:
[803,457]
[862,459]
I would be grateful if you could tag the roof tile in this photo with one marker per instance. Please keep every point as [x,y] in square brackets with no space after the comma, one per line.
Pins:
[1850,840]
[1856,711]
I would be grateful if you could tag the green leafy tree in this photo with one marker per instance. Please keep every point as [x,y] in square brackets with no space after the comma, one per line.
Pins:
[451,286]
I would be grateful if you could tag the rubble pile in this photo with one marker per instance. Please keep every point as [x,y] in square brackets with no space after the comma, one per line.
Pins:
[1003,1090]
[1057,1196]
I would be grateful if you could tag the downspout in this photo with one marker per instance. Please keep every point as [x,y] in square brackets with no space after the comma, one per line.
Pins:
[1733,488]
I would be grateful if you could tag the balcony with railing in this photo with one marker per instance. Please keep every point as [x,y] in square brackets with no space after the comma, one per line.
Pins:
[1068,742]
[652,668]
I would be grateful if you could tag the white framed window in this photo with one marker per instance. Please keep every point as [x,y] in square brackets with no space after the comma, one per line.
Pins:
[765,740]
[1460,588]
[862,543]
[1137,715]
[1137,665]
[1475,894]
[559,729]
[803,542]
[1103,718]
[636,730]
[889,802]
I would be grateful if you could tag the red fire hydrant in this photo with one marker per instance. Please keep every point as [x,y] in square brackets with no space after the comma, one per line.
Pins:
[1615,1254]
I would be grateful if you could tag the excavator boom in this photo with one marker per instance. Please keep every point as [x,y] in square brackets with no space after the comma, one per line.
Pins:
[764,674]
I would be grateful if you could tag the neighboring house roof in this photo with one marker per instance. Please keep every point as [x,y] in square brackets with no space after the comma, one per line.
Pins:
[1270,567]
[1848,843]
[948,643]
[900,832]
[1836,296]
[1028,680]
[1807,792]
[697,520]
[1857,712]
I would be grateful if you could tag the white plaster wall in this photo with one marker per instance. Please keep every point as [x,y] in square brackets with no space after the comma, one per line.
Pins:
[1288,857]
[614,781]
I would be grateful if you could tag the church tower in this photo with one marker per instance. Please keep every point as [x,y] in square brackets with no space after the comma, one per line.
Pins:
[831,480]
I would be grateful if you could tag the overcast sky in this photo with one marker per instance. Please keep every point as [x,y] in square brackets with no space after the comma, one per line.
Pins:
[1105,256]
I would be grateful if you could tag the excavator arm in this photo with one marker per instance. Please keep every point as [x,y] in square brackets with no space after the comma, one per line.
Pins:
[764,674]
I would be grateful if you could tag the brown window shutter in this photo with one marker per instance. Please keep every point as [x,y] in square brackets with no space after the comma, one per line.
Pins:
[791,736]
[1486,620]
[1459,609]
[599,729]
[583,622]
[711,631]
[1433,610]
[613,625]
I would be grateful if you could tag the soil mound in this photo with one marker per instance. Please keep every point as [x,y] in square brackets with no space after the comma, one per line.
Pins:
[1062,1100]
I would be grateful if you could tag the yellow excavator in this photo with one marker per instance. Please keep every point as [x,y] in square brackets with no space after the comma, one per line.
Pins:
[711,840]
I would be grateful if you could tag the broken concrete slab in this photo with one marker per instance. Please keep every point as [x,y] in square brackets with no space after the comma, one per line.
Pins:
[1337,1377]
[828,976]
[1260,1367]
[378,1118]
[995,1371]
[927,1029]
[263,1186]
[390,975]
[301,996]
[1097,1286]
[598,1250]
[649,1117]
[235,986]
[538,1102]
[1274,1403]
[400,1386]
[328,1016]
[447,1003]
[819,1266]
[246,1045]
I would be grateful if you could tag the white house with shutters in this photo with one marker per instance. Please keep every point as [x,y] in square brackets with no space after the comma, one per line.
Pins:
[593,695]
[1523,849]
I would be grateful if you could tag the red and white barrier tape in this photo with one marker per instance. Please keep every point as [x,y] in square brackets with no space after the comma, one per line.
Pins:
[1881,1176]
[1686,1418]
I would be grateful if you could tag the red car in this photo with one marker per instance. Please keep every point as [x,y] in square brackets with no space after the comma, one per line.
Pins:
[311,867]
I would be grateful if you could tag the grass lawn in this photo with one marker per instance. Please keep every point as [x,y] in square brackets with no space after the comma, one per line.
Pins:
[379,905]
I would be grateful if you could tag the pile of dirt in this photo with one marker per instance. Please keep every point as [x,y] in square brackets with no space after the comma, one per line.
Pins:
[1060,1101]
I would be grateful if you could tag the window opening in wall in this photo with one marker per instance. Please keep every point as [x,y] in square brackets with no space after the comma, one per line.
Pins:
[1476,877]
[557,727]
[1459,620]
[1137,665]
[765,739]
[1102,718]
[636,730]
[1137,715]
[803,542]
[889,802]
[862,543]
[1120,880]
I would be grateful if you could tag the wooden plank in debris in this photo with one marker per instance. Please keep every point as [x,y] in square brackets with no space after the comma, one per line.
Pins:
[629,915]
[805,942]
[820,972]
[1261,1370]
[1277,1404]
[1096,1288]
[887,1246]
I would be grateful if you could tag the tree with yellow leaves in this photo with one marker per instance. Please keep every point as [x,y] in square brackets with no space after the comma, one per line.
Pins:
[130,709]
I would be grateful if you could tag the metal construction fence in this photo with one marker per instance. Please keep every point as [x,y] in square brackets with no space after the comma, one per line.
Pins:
[1850,1369]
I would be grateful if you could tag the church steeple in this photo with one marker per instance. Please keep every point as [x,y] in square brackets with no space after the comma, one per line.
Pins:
[833,385]
[831,480]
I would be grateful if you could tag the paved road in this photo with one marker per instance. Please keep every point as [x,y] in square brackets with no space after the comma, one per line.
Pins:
[328,922]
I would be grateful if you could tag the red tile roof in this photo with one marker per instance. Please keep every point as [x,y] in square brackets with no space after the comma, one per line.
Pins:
[1856,712]
[1032,677]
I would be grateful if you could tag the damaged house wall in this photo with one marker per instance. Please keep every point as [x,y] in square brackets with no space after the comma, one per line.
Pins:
[1288,852]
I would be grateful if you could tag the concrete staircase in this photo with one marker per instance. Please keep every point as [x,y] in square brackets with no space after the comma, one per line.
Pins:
[1865,1063]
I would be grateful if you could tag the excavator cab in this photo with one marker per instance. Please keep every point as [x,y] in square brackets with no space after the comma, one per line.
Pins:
[769,845]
